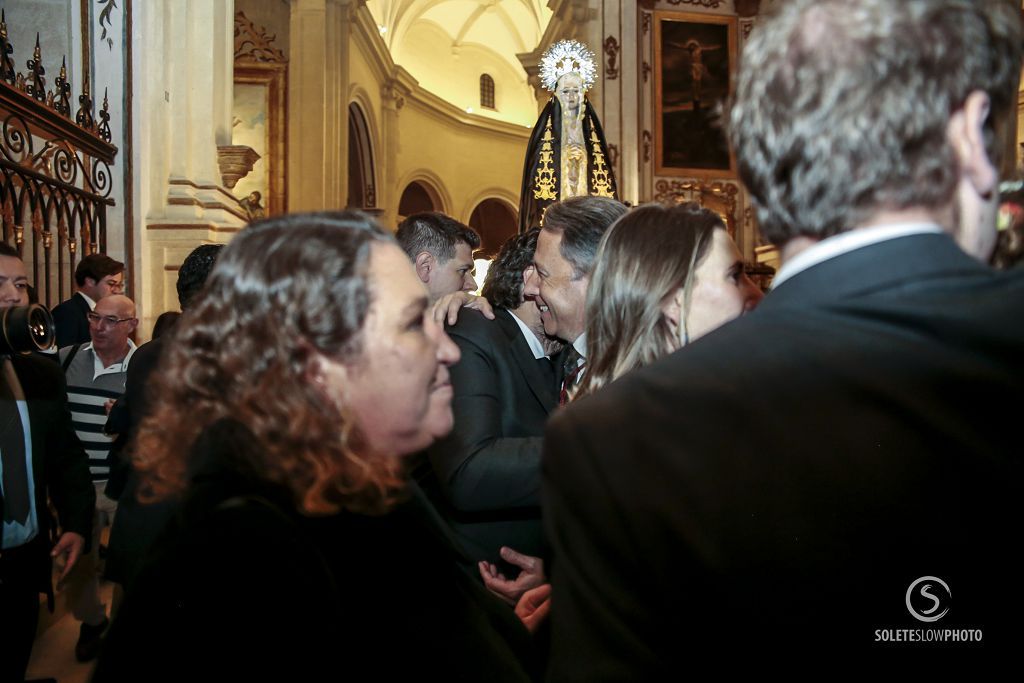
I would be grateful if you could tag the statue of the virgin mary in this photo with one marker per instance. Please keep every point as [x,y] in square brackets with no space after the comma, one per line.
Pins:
[567,155]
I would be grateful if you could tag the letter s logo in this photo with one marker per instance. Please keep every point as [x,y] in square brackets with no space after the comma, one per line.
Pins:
[927,615]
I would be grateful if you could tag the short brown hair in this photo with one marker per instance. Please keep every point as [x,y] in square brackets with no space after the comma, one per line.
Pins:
[96,267]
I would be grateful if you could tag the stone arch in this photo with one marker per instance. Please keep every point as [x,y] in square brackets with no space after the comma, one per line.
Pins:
[432,185]
[494,214]
[362,167]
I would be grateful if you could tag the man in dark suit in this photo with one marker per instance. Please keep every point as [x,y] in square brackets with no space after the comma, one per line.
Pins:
[137,524]
[839,470]
[505,385]
[40,459]
[96,276]
[565,257]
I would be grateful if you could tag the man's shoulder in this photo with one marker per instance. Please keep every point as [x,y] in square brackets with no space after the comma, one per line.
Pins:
[38,376]
[473,325]
[148,353]
[72,304]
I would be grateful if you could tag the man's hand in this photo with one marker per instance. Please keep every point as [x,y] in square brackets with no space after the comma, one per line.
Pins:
[533,608]
[447,307]
[531,576]
[70,546]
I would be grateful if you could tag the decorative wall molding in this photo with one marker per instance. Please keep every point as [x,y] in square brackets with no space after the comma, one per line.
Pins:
[611,53]
[720,197]
[712,4]
[253,43]
[235,162]
[647,146]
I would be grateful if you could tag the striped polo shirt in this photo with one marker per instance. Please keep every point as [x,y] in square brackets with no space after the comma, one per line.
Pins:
[90,386]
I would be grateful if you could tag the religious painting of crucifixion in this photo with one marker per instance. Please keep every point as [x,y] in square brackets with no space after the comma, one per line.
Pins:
[695,55]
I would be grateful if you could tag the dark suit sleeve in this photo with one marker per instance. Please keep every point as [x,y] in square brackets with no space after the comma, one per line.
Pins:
[478,468]
[600,629]
[66,323]
[67,465]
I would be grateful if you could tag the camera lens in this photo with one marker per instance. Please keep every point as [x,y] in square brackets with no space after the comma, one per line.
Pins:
[24,329]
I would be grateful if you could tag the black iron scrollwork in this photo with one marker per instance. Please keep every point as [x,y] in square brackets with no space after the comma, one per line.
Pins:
[84,116]
[36,84]
[62,91]
[6,50]
[104,127]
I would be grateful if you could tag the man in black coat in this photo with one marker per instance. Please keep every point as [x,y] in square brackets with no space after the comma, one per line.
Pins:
[41,459]
[505,385]
[96,276]
[137,524]
[839,470]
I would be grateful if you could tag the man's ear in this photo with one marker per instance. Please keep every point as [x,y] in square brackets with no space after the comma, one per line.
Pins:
[966,133]
[424,265]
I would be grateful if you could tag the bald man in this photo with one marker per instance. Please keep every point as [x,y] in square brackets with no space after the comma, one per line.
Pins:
[96,374]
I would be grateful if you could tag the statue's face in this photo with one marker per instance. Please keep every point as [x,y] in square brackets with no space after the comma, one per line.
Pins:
[569,91]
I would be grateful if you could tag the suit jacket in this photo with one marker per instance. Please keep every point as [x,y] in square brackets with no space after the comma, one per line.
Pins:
[136,524]
[781,483]
[70,321]
[60,465]
[489,466]
[241,586]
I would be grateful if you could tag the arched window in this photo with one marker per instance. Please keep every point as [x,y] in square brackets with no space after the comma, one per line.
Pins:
[486,91]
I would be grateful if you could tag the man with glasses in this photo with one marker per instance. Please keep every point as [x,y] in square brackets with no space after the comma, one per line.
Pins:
[96,374]
[97,276]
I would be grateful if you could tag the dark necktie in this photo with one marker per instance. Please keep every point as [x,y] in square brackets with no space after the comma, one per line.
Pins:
[12,450]
[571,369]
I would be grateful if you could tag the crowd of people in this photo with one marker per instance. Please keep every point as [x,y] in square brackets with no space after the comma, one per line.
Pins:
[618,460]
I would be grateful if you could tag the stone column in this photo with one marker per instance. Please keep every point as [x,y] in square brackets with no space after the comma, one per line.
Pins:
[392,98]
[318,104]
[181,104]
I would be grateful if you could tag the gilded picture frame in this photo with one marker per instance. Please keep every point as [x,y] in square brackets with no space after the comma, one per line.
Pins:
[266,82]
[694,60]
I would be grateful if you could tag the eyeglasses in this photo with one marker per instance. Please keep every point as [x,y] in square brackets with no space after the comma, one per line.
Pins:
[109,320]
[115,285]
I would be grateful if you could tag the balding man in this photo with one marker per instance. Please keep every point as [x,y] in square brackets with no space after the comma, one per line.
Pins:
[96,374]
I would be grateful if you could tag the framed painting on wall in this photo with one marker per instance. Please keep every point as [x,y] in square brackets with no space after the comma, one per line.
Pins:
[694,57]
[259,122]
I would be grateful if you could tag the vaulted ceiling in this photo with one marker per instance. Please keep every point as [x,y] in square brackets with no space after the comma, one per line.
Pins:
[433,39]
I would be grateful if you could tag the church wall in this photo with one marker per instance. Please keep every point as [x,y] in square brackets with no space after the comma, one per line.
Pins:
[464,157]
[181,89]
[460,82]
[468,161]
